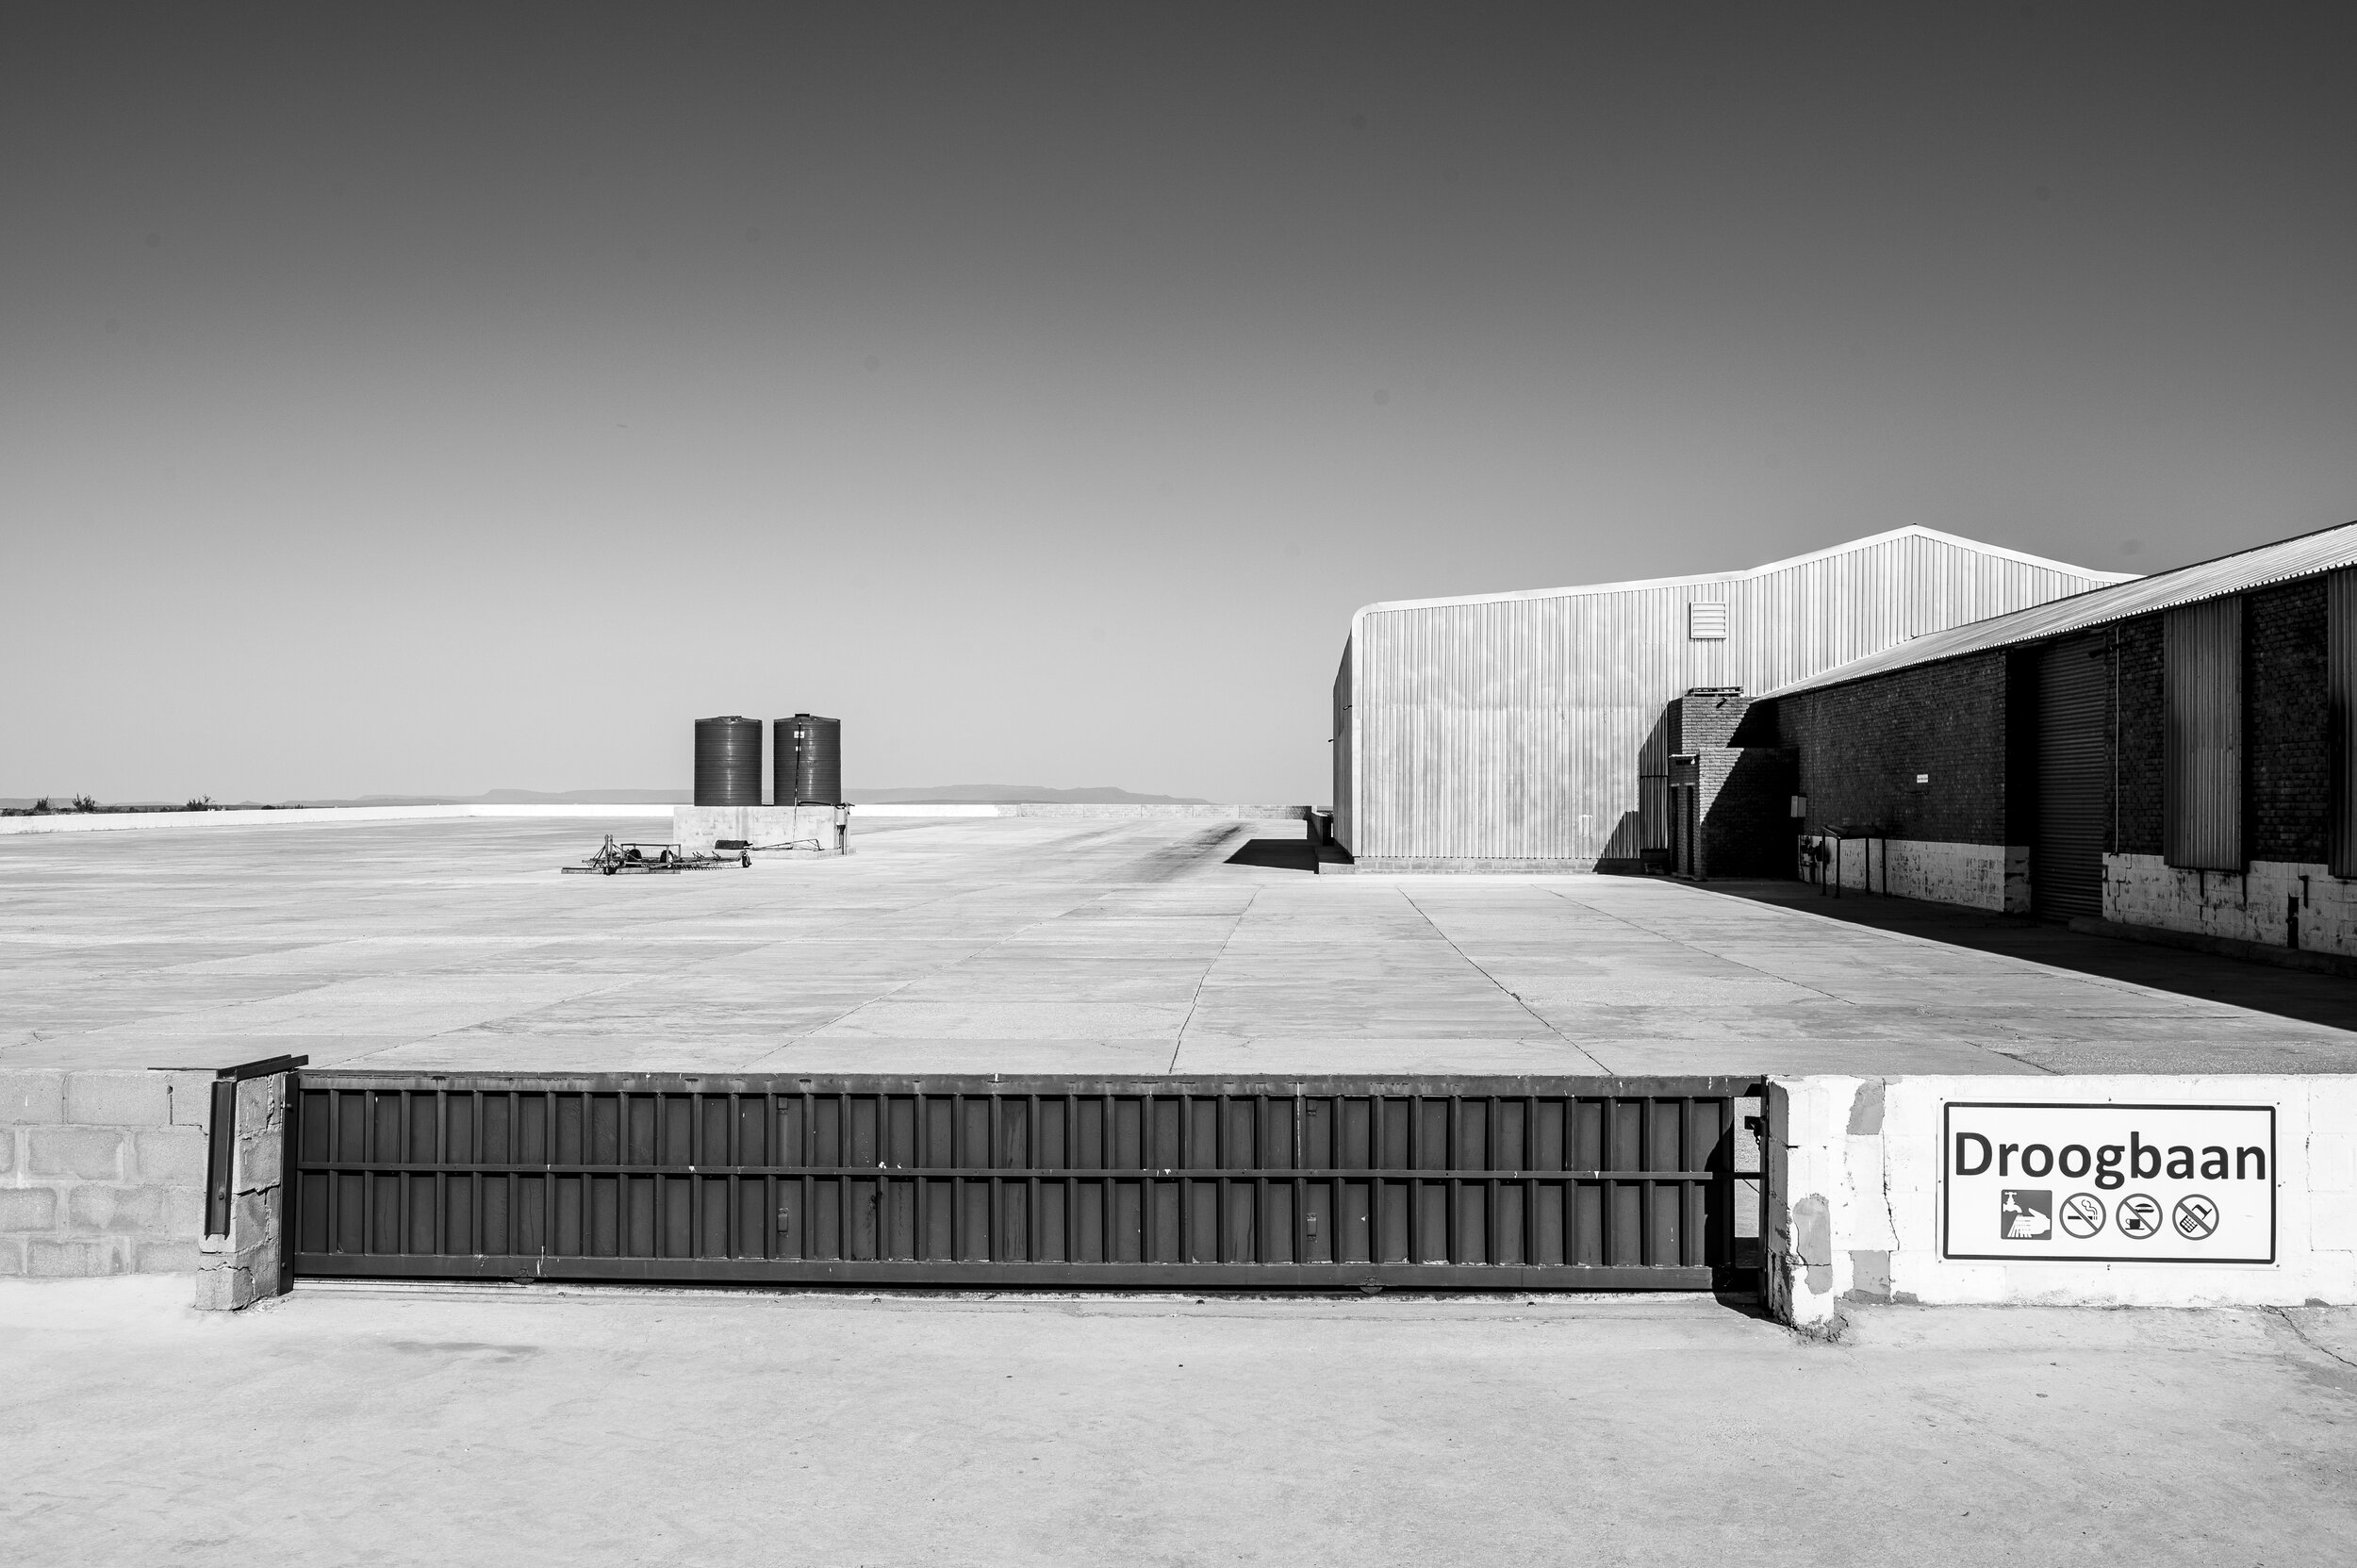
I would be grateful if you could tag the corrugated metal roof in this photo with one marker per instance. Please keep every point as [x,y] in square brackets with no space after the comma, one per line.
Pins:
[2326,550]
[1853,546]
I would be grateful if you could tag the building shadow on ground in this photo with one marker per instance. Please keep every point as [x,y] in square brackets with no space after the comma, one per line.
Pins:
[1280,855]
[2316,998]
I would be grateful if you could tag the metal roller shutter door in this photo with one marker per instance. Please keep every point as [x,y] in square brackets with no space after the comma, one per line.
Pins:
[2074,782]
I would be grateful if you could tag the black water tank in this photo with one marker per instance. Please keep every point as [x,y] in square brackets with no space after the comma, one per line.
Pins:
[809,763]
[728,761]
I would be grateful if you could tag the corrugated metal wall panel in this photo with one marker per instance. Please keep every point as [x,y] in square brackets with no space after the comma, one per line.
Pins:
[2341,685]
[1518,728]
[1341,739]
[2074,683]
[2202,760]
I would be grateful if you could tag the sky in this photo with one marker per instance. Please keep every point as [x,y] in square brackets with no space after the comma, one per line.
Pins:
[404,398]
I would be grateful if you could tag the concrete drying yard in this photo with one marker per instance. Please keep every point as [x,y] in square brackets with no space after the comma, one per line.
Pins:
[528,1424]
[1016,945]
[574,1427]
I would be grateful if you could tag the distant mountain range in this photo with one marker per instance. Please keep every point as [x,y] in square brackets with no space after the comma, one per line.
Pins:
[1099,795]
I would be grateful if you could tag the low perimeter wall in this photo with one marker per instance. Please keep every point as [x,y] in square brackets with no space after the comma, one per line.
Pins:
[2129,1190]
[1085,810]
[105,1173]
[125,821]
[101,1172]
[697,828]
[2103,1192]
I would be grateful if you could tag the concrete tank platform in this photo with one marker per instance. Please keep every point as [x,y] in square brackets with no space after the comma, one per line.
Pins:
[1014,945]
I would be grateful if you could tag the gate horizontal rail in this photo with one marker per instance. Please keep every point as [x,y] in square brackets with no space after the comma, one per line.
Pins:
[1055,1181]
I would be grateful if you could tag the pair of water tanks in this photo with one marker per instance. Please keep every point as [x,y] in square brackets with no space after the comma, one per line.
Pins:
[808,768]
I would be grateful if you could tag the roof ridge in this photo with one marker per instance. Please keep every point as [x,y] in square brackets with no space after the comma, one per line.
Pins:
[1910,530]
[2073,613]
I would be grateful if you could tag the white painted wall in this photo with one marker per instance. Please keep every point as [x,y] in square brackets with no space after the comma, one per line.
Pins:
[1978,876]
[217,820]
[2143,890]
[1853,1197]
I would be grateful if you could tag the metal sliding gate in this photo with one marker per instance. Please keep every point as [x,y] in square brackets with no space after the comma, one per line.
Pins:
[1063,1183]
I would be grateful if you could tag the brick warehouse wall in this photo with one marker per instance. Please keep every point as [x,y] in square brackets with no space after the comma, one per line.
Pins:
[2287,762]
[2138,724]
[2287,756]
[1861,747]
[101,1172]
[1747,815]
[1745,784]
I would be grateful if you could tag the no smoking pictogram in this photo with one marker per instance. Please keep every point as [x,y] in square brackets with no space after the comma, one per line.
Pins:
[2197,1217]
[2083,1214]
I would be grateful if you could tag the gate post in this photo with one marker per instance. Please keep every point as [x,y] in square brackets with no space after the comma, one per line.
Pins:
[1808,1200]
[245,1251]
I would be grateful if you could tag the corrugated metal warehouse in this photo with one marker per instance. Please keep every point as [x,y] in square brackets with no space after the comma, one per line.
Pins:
[1536,730]
[2172,753]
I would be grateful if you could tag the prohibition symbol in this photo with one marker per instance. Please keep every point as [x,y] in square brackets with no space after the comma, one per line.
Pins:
[2083,1214]
[2139,1216]
[2197,1217]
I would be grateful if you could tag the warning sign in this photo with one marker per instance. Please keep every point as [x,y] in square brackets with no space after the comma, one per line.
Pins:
[2113,1184]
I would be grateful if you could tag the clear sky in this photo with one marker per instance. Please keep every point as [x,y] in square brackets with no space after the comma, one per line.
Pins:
[402,399]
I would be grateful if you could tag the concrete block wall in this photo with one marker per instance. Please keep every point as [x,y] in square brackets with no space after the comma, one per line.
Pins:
[2257,906]
[101,1172]
[1978,876]
[1854,1193]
